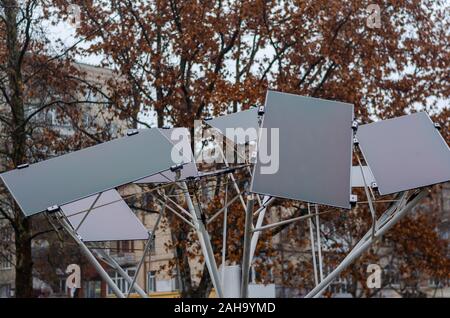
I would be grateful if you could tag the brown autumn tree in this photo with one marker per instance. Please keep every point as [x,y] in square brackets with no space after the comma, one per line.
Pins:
[41,90]
[188,59]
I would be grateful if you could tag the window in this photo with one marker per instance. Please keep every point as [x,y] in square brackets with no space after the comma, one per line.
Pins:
[121,283]
[153,246]
[93,289]
[340,286]
[5,291]
[151,281]
[86,119]
[125,246]
[6,260]
[61,286]
[6,256]
[175,282]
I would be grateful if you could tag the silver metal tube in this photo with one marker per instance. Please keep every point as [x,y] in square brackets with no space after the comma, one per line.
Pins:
[88,211]
[204,240]
[148,246]
[313,250]
[255,236]
[369,198]
[246,252]
[262,208]
[298,218]
[85,250]
[146,249]
[178,206]
[319,243]
[383,219]
[124,274]
[355,253]
[236,187]
[178,214]
[224,235]
[221,210]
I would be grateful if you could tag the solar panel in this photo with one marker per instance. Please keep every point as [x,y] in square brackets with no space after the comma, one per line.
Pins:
[110,220]
[315,150]
[189,169]
[79,174]
[181,139]
[405,153]
[246,120]
[357,177]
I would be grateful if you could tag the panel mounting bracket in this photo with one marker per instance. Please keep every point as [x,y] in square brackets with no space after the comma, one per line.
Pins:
[132,132]
[353,199]
[177,167]
[53,208]
[261,110]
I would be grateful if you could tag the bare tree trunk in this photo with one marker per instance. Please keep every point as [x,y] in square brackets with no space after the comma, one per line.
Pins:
[24,264]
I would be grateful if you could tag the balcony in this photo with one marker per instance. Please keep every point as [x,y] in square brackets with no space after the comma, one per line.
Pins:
[125,258]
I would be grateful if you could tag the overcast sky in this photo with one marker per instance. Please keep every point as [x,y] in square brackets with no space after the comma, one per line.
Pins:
[65,32]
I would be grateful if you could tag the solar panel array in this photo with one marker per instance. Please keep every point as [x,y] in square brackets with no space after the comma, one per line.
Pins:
[312,158]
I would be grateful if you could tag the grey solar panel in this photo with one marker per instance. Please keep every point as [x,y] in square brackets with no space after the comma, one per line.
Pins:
[110,220]
[405,153]
[247,120]
[79,174]
[357,177]
[181,139]
[189,169]
[315,150]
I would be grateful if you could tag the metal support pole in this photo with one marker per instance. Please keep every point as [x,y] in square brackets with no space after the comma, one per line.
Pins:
[236,187]
[204,240]
[88,211]
[124,274]
[246,252]
[88,254]
[384,218]
[361,248]
[224,234]
[255,236]
[178,214]
[230,202]
[148,245]
[369,198]
[293,220]
[319,243]
[313,250]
